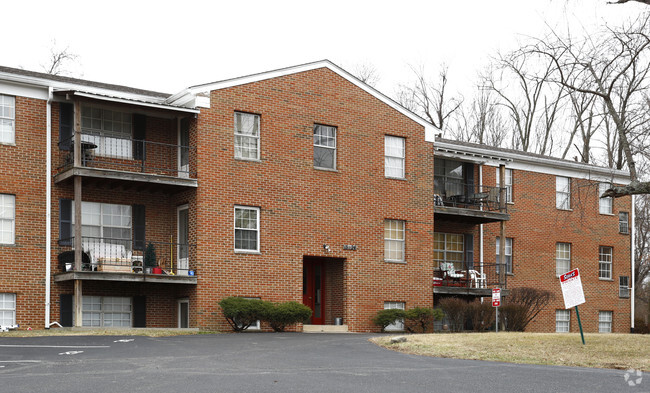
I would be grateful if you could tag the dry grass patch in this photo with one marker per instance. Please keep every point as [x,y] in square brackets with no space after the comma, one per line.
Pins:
[620,351]
[102,332]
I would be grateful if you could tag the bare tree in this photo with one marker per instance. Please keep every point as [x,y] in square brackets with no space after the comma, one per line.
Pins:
[59,59]
[647,2]
[429,98]
[481,121]
[642,241]
[614,68]
[367,73]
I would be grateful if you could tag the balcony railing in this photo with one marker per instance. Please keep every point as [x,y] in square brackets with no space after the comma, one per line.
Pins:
[126,154]
[468,274]
[119,256]
[469,196]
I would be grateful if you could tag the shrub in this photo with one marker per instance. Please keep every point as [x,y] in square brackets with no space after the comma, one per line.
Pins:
[387,317]
[480,315]
[454,309]
[283,314]
[418,319]
[512,317]
[640,327]
[241,313]
[150,256]
[522,306]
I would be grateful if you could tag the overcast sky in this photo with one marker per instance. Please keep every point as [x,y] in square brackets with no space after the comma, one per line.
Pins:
[167,46]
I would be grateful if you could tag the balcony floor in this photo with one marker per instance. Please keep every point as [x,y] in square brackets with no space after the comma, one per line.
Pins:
[125,277]
[473,216]
[479,292]
[125,176]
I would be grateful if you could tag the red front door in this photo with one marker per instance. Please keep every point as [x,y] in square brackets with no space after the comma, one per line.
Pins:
[313,273]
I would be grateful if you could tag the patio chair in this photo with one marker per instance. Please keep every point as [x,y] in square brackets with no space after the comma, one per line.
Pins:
[477,278]
[449,271]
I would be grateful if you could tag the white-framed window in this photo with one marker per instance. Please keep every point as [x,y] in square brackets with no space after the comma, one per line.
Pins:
[394,156]
[324,147]
[394,240]
[110,130]
[106,311]
[7,119]
[562,193]
[449,247]
[623,225]
[508,183]
[255,325]
[562,321]
[604,204]
[605,255]
[7,309]
[508,260]
[7,219]
[247,136]
[398,326]
[604,321]
[247,229]
[624,286]
[103,223]
[562,258]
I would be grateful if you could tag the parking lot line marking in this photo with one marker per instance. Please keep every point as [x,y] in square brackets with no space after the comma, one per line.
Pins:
[53,346]
[20,361]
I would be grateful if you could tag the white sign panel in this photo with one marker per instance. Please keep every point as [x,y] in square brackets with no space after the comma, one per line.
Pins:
[496,297]
[572,289]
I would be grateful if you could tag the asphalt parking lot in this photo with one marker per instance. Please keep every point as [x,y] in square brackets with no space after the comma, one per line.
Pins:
[270,362]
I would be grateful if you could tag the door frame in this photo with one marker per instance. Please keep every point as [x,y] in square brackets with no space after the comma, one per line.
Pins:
[181,171]
[178,239]
[180,301]
[308,265]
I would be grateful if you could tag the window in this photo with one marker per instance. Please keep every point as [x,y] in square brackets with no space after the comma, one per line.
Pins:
[247,232]
[394,153]
[7,119]
[449,247]
[508,260]
[7,309]
[562,321]
[255,325]
[247,136]
[605,262]
[398,325]
[105,223]
[106,311]
[623,226]
[604,204]
[449,177]
[508,183]
[7,219]
[604,321]
[562,258]
[324,147]
[624,287]
[394,240]
[109,130]
[563,193]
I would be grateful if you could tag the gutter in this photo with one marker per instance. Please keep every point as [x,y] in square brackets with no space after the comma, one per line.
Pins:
[48,205]
[632,253]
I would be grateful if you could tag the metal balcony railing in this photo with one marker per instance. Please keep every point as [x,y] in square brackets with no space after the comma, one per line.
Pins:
[469,196]
[104,151]
[464,274]
[120,256]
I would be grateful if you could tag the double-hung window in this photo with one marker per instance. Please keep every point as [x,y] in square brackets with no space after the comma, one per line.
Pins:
[562,321]
[7,309]
[7,219]
[562,258]
[623,225]
[604,321]
[508,183]
[394,240]
[324,147]
[563,193]
[7,119]
[449,247]
[398,325]
[106,311]
[105,223]
[508,260]
[394,156]
[247,136]
[604,204]
[110,130]
[605,262]
[624,286]
[247,229]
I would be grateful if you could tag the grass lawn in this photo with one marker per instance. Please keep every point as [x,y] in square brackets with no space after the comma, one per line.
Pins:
[620,351]
[103,332]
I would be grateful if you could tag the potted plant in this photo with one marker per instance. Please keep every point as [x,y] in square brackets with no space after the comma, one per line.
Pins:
[150,258]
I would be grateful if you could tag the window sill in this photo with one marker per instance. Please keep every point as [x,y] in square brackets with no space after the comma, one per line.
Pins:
[8,144]
[564,210]
[392,261]
[605,279]
[248,252]
[248,160]
[8,245]
[607,214]
[326,169]
[395,178]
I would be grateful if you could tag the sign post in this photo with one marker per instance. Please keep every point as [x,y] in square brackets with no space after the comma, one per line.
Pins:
[496,302]
[573,294]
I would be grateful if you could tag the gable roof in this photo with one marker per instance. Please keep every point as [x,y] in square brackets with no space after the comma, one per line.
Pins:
[190,94]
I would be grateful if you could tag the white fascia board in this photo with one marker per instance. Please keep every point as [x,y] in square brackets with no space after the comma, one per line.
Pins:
[23,90]
[429,128]
[132,102]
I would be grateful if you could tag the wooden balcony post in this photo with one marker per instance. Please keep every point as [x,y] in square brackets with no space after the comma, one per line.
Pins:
[77,215]
[502,234]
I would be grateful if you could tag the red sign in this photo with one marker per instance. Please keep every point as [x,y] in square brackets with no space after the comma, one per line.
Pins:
[496,297]
[572,289]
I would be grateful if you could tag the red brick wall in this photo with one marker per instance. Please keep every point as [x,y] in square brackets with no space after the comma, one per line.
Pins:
[22,265]
[303,208]
[536,226]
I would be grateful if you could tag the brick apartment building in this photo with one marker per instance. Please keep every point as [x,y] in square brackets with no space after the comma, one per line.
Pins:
[297,184]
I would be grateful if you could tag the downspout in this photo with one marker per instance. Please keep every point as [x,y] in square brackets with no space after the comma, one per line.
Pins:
[632,252]
[480,227]
[48,205]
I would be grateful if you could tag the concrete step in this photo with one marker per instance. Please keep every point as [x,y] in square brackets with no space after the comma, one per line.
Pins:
[325,328]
